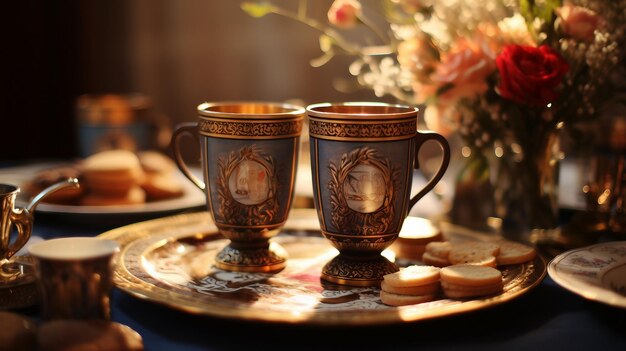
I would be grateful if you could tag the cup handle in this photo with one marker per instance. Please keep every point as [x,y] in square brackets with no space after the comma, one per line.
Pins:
[421,138]
[183,129]
[22,219]
[69,182]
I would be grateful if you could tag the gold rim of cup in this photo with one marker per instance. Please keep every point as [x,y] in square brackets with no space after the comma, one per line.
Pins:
[359,110]
[250,110]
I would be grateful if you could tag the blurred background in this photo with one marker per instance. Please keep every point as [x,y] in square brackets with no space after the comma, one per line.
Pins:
[70,66]
[171,55]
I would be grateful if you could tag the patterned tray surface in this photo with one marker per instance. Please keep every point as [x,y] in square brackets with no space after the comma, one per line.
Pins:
[170,261]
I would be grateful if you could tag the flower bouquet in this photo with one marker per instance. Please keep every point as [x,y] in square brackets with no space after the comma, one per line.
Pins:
[505,75]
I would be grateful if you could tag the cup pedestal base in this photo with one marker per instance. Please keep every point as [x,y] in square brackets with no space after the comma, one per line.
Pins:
[268,259]
[357,271]
[18,287]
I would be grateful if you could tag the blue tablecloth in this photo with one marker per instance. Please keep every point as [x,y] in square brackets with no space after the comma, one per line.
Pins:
[546,318]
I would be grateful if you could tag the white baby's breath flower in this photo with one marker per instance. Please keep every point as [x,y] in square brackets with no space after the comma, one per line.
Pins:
[515,30]
[386,77]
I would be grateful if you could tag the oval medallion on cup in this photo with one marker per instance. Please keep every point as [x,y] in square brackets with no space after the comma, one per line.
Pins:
[364,188]
[249,183]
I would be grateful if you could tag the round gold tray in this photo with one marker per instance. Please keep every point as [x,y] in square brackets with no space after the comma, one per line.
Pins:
[170,261]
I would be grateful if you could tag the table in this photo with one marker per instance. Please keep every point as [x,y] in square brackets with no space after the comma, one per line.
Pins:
[547,318]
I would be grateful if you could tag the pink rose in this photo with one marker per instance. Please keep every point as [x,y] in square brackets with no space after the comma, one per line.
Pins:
[463,70]
[578,22]
[530,75]
[344,13]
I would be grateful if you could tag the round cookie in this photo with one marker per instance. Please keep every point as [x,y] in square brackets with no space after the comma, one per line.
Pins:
[474,252]
[470,275]
[440,249]
[154,162]
[403,300]
[112,173]
[162,186]
[429,289]
[477,246]
[452,286]
[462,255]
[515,253]
[415,234]
[411,252]
[413,276]
[432,260]
[135,196]
[74,335]
[457,291]
[17,332]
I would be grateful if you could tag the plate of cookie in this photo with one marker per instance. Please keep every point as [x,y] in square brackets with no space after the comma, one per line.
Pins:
[596,272]
[112,183]
[170,261]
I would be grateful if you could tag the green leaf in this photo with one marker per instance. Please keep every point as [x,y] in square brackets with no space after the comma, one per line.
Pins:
[546,12]
[257,9]
[542,10]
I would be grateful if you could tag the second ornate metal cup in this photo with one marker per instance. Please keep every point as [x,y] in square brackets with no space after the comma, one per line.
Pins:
[249,158]
[362,161]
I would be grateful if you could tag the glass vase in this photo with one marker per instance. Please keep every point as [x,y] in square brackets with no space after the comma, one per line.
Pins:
[472,203]
[525,182]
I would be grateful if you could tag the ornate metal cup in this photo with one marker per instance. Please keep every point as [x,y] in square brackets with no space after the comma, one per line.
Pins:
[75,277]
[362,160]
[21,218]
[249,157]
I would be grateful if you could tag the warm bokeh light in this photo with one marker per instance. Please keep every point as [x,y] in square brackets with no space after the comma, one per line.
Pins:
[417,227]
[466,151]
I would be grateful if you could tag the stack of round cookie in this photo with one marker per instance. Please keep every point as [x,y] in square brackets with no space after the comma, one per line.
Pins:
[160,181]
[468,271]
[410,285]
[467,280]
[113,178]
[491,254]
[416,233]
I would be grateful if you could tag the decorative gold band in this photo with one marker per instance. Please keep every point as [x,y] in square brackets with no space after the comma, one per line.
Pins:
[251,129]
[364,131]
[379,237]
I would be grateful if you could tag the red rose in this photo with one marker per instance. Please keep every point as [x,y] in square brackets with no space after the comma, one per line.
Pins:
[530,75]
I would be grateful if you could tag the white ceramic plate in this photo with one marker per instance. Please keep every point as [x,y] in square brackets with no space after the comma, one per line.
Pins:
[596,272]
[192,197]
